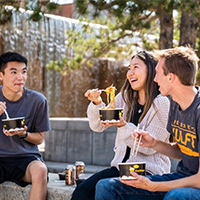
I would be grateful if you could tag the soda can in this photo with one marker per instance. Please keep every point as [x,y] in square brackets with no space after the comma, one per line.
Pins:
[80,168]
[70,175]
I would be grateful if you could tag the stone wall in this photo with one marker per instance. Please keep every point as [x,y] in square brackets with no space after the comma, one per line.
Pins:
[44,41]
[71,139]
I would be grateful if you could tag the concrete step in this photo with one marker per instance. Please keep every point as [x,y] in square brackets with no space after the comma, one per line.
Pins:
[55,167]
[57,189]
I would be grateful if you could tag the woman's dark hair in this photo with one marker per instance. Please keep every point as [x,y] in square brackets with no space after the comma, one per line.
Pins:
[130,96]
[10,57]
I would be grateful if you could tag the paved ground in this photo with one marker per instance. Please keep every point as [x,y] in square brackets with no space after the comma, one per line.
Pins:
[56,183]
[55,167]
[57,189]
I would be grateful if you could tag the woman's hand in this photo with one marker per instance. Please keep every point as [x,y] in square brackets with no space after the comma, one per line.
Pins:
[117,124]
[94,96]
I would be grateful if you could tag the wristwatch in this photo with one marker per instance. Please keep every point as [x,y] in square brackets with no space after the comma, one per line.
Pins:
[24,136]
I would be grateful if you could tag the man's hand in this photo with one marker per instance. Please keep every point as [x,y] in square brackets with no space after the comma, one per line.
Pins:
[15,132]
[2,107]
[140,182]
[147,139]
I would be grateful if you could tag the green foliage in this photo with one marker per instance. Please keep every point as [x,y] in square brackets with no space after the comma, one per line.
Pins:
[5,16]
[36,15]
[122,20]
[5,13]
[58,65]
[52,6]
[94,41]
[38,8]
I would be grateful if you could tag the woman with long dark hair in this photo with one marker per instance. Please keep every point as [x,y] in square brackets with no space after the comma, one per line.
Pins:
[141,103]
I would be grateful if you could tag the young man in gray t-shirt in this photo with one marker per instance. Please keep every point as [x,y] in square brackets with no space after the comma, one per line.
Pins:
[20,159]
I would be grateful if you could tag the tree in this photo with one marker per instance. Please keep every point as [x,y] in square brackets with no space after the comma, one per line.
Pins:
[124,18]
[38,7]
[166,27]
[119,21]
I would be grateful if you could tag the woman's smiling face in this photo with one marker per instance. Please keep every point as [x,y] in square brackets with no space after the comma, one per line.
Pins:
[137,74]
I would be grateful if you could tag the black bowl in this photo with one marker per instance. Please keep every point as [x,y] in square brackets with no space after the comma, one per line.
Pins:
[126,168]
[14,123]
[61,175]
[110,115]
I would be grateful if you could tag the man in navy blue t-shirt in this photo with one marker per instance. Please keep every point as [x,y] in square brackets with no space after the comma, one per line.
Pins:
[20,159]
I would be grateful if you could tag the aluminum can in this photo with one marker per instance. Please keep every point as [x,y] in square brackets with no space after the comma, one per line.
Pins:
[80,168]
[70,175]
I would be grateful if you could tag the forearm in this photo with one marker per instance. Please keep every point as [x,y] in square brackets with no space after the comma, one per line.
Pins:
[35,138]
[93,117]
[169,149]
[191,181]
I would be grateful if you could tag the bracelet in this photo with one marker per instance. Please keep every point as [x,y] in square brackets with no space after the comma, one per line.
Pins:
[24,136]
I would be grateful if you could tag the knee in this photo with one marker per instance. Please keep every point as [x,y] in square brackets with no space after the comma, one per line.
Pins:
[100,190]
[101,185]
[175,194]
[42,170]
[104,189]
[39,173]
[82,192]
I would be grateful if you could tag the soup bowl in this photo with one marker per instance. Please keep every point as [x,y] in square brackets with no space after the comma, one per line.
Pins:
[126,168]
[13,124]
[110,115]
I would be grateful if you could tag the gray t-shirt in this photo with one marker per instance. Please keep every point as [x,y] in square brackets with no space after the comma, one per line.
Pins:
[33,106]
[185,127]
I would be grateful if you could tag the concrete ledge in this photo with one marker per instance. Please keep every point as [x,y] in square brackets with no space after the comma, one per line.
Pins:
[71,139]
[10,190]
[56,190]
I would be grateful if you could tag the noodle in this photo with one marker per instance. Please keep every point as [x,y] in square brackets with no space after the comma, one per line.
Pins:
[110,114]
[110,92]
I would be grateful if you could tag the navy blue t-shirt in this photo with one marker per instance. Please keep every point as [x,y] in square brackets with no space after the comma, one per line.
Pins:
[33,106]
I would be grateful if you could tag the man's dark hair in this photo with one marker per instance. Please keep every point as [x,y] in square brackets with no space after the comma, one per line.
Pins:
[10,57]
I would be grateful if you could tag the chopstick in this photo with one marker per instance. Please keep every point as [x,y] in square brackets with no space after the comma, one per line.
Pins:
[135,145]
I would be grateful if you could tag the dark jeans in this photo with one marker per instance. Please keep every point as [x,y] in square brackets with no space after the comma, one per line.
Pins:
[86,190]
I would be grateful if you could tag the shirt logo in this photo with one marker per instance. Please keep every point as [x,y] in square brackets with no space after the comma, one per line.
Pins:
[185,135]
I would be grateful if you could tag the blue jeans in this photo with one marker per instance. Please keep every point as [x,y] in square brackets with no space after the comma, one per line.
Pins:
[112,188]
